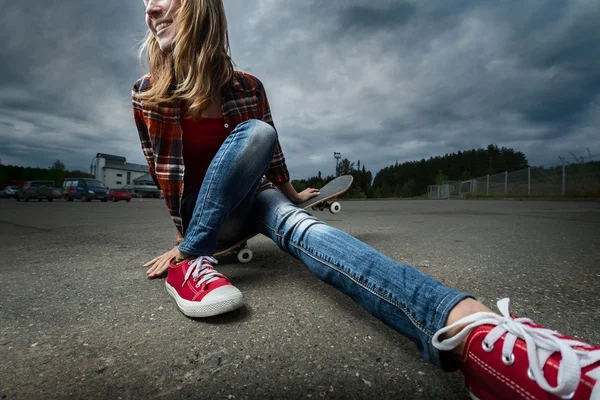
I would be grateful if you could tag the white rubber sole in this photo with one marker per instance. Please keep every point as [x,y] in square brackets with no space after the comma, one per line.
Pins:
[218,301]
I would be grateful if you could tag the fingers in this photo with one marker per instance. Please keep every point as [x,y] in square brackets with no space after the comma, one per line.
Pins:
[159,264]
[149,263]
[313,192]
[159,267]
[150,271]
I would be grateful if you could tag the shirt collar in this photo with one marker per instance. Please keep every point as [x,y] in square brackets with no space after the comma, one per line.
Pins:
[236,83]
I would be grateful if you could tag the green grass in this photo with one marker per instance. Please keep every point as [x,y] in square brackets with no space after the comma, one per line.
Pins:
[421,197]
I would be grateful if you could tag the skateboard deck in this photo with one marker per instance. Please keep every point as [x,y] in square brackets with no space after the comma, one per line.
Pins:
[328,192]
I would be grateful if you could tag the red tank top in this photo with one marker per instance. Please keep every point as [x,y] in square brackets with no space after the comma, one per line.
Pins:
[202,138]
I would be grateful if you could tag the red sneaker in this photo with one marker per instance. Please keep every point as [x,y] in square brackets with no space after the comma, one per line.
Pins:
[207,293]
[512,358]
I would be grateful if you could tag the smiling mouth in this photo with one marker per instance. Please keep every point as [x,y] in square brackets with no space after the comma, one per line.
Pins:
[162,26]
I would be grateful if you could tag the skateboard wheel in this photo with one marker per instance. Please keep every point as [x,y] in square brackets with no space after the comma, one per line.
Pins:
[335,207]
[245,256]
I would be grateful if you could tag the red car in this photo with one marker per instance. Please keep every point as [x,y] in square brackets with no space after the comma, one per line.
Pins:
[119,194]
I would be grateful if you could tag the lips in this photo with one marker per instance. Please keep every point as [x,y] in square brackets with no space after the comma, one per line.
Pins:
[162,26]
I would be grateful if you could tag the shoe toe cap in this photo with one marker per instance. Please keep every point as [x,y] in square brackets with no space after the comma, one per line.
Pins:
[223,293]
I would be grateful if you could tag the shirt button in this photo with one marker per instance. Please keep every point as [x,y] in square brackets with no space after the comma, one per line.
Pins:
[226,125]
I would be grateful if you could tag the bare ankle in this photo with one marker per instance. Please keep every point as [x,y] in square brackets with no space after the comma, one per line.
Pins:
[179,256]
[465,308]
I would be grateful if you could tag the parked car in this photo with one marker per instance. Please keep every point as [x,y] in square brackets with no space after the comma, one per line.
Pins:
[57,193]
[119,194]
[36,190]
[9,192]
[84,189]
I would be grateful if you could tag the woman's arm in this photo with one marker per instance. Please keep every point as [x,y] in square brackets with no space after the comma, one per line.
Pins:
[142,128]
[288,190]
[277,172]
[140,123]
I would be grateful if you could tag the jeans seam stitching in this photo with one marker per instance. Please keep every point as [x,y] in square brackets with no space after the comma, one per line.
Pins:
[437,308]
[367,287]
[448,303]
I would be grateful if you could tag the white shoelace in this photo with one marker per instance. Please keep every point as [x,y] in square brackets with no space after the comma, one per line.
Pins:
[541,344]
[198,269]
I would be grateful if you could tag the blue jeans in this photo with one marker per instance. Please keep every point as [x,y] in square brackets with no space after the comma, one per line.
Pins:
[412,303]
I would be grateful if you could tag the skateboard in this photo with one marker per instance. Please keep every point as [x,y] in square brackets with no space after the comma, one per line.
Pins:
[328,192]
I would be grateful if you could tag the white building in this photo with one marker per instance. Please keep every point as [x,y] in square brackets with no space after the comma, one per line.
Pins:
[115,172]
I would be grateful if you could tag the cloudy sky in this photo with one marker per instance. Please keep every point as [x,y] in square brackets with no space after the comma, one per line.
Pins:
[377,80]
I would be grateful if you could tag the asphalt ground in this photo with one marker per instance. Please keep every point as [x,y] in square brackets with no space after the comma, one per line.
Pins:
[79,318]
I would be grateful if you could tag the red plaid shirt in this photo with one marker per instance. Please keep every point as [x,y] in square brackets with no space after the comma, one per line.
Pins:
[161,135]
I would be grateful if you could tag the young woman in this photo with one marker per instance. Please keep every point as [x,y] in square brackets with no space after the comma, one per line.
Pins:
[212,148]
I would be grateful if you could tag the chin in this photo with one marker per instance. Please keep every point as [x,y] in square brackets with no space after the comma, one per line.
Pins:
[166,48]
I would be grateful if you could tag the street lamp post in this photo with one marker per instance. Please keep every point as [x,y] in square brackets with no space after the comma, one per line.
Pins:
[337,161]
[92,166]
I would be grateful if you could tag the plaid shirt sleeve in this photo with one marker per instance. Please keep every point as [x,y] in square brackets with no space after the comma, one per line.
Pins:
[140,123]
[277,172]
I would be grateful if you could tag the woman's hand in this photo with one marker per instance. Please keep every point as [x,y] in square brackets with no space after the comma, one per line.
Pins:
[306,195]
[288,190]
[160,264]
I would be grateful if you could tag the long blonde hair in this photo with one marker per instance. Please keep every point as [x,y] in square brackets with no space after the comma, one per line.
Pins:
[200,62]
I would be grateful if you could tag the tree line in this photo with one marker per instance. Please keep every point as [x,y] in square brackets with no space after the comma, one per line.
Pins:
[15,175]
[411,178]
[408,179]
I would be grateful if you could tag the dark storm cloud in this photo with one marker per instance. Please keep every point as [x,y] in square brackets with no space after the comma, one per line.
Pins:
[379,81]
[68,65]
[362,19]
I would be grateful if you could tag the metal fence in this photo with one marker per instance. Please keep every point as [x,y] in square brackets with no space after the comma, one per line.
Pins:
[575,179]
[558,181]
[447,190]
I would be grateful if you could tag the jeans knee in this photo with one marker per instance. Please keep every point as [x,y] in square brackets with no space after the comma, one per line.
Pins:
[261,133]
